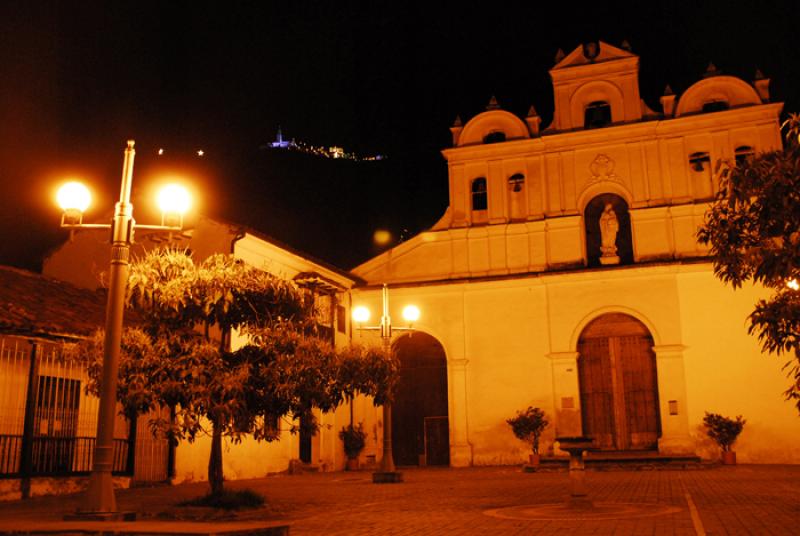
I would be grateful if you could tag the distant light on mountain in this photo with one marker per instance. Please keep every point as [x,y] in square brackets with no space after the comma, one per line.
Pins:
[325,152]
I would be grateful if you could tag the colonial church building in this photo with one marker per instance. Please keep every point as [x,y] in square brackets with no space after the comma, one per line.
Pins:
[565,274]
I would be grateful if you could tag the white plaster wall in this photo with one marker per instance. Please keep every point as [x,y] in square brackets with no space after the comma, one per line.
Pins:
[510,331]
[248,459]
[726,372]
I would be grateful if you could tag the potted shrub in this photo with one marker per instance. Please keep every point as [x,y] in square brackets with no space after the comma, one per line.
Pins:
[528,426]
[353,439]
[724,432]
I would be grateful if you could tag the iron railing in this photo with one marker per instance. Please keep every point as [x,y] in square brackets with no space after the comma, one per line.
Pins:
[48,420]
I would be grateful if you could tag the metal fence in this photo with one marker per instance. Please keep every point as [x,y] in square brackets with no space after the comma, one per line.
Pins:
[48,422]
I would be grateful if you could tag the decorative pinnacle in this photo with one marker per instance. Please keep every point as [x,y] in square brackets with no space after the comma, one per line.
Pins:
[668,91]
[457,122]
[759,75]
[532,112]
[560,55]
[711,70]
[493,104]
[625,45]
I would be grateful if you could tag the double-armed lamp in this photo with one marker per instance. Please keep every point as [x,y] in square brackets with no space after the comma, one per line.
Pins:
[387,473]
[74,198]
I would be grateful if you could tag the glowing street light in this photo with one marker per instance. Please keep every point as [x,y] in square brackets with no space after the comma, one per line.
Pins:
[361,314]
[411,313]
[174,201]
[74,199]
[388,472]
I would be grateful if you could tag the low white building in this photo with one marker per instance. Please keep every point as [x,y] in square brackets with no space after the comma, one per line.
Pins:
[83,260]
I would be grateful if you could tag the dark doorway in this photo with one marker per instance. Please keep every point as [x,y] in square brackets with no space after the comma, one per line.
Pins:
[591,218]
[618,384]
[420,428]
[305,438]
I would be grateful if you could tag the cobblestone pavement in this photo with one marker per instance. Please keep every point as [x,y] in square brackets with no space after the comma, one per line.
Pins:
[745,499]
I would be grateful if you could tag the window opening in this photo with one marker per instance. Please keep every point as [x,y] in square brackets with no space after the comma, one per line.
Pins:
[341,319]
[495,137]
[742,153]
[516,182]
[479,198]
[597,114]
[716,106]
[699,161]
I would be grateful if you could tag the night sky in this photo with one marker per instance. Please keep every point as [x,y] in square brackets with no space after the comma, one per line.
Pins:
[80,78]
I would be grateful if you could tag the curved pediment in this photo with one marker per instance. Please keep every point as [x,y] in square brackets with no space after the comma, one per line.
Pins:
[491,124]
[730,90]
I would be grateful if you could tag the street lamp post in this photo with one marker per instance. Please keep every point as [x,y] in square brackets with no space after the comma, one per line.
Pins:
[100,501]
[388,473]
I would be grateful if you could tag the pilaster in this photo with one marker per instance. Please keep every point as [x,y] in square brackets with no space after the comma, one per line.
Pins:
[460,449]
[566,394]
[675,438]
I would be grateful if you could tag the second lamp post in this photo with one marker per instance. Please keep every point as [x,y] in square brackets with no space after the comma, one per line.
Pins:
[387,474]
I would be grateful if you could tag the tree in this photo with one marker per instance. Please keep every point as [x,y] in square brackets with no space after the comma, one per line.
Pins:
[180,356]
[753,230]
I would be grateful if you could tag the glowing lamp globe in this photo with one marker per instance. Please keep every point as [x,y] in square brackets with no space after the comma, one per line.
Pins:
[174,199]
[411,313]
[73,197]
[361,314]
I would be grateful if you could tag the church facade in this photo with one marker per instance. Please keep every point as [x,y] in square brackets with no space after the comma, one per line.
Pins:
[565,274]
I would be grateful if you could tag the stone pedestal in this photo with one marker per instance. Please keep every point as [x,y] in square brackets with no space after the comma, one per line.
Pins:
[578,492]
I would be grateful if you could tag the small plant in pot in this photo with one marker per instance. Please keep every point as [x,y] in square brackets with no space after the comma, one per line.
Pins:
[724,432]
[353,438]
[528,426]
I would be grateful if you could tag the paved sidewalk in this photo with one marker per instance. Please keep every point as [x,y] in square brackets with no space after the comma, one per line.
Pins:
[746,499]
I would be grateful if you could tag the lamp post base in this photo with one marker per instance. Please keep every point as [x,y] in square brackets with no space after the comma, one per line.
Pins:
[387,477]
[100,516]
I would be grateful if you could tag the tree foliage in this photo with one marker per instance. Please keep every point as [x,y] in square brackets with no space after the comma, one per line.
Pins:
[753,231]
[180,357]
[528,426]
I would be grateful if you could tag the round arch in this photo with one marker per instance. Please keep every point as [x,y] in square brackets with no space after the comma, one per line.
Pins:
[596,90]
[597,313]
[420,410]
[595,188]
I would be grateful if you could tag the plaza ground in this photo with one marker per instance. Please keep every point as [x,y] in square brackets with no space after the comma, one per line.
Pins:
[745,499]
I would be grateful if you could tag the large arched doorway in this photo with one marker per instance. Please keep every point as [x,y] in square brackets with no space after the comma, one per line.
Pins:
[618,384]
[420,429]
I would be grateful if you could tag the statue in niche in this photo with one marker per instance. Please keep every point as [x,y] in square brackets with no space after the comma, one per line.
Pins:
[609,226]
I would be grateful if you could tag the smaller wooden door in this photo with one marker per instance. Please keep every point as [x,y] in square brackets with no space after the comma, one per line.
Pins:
[618,384]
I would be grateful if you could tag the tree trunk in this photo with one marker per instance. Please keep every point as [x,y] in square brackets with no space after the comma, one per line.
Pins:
[215,461]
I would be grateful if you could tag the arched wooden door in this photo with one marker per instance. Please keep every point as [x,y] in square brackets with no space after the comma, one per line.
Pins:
[618,384]
[420,429]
